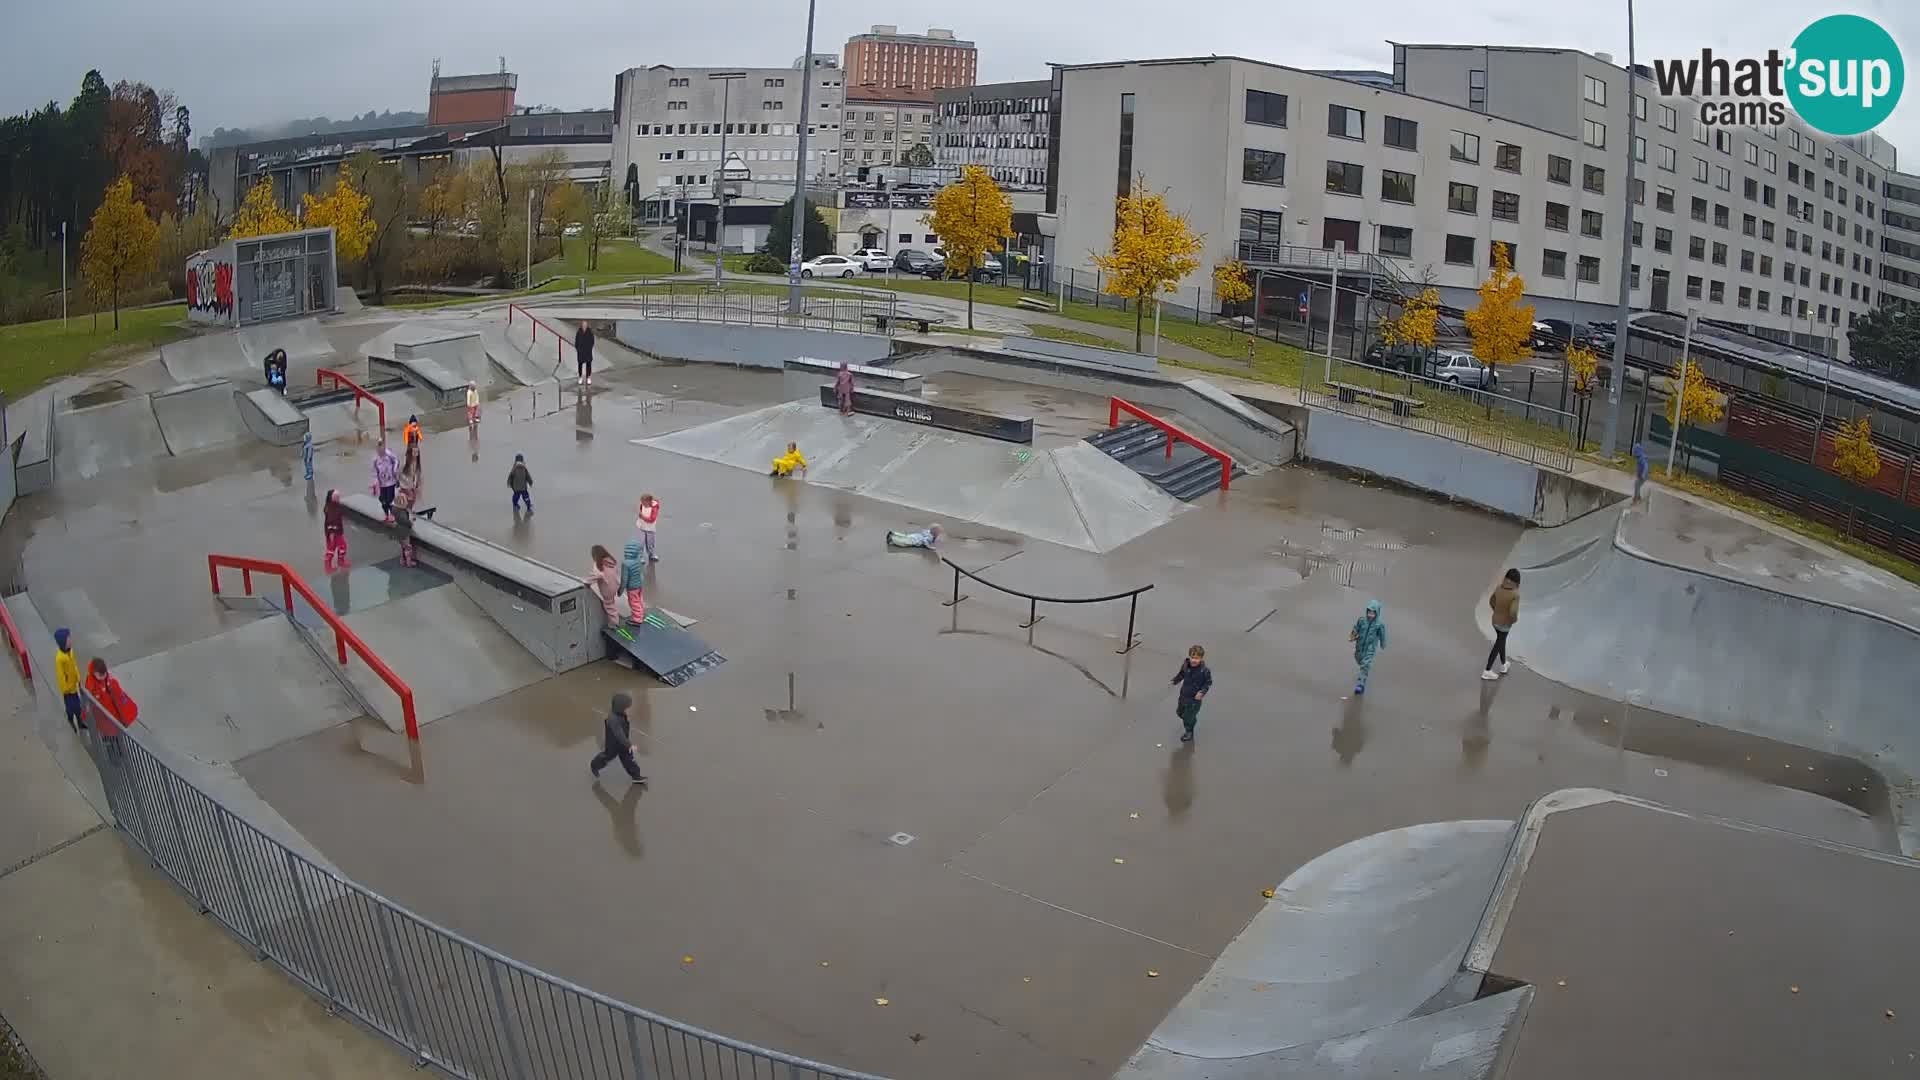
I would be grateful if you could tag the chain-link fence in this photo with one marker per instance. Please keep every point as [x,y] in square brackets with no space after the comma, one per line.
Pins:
[1486,418]
[452,1003]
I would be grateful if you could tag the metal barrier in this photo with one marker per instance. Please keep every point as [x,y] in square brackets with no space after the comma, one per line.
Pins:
[1536,434]
[1034,600]
[360,393]
[15,642]
[559,339]
[1116,406]
[452,1003]
[822,307]
[343,636]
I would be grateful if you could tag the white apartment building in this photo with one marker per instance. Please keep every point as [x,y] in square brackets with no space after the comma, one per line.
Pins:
[1900,240]
[1774,230]
[880,126]
[1004,127]
[668,126]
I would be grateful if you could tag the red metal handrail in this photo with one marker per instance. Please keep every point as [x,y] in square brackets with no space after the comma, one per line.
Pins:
[343,635]
[320,379]
[18,643]
[1116,406]
[559,339]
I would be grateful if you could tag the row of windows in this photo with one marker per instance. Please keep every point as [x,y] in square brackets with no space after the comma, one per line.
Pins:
[716,129]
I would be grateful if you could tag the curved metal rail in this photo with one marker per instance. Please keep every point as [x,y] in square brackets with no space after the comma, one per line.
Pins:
[1034,600]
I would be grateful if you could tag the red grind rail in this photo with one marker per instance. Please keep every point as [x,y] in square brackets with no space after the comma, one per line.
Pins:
[1116,406]
[559,339]
[343,636]
[16,642]
[359,393]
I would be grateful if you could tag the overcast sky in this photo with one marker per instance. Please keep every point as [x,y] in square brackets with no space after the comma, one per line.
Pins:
[236,64]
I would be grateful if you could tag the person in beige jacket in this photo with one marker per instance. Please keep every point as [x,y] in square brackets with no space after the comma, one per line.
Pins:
[1505,602]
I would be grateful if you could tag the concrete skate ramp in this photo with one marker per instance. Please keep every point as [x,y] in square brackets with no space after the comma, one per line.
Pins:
[198,415]
[1356,940]
[217,354]
[301,338]
[1071,494]
[509,352]
[271,417]
[107,437]
[1618,622]
[449,652]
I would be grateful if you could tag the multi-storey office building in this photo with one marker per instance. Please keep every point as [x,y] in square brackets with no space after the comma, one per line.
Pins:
[886,57]
[882,124]
[1004,127]
[1900,240]
[1776,229]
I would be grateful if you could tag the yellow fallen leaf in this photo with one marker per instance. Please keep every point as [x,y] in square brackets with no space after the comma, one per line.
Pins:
[882,1002]
[1268,893]
[687,959]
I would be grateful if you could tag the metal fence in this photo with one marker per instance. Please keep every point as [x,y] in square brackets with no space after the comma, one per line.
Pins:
[452,1003]
[760,304]
[1513,427]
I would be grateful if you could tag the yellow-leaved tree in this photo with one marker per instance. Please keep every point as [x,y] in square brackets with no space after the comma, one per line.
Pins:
[1418,323]
[349,211]
[1691,399]
[1152,250]
[120,245]
[1501,326]
[1855,457]
[1230,284]
[260,213]
[1582,365]
[971,216]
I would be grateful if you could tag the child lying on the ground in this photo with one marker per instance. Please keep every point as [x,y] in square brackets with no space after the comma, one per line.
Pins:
[787,463]
[925,538]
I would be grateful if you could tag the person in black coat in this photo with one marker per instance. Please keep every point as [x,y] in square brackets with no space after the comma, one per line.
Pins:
[1195,679]
[617,741]
[583,353]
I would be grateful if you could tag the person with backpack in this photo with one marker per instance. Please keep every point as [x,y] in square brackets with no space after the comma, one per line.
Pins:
[520,482]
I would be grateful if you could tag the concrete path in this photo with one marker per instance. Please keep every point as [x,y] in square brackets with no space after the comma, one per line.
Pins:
[107,970]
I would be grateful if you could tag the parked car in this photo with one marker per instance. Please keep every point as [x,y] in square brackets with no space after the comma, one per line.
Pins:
[1557,333]
[829,266]
[911,260]
[1402,357]
[1461,369]
[574,229]
[873,260]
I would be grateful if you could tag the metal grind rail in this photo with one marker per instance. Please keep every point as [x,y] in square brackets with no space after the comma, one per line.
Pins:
[1034,600]
[1116,406]
[559,339]
[343,636]
[360,393]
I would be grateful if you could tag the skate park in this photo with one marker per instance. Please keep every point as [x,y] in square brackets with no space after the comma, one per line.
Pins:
[912,837]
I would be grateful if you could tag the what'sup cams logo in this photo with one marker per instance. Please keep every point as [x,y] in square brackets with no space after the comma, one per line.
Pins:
[1843,76]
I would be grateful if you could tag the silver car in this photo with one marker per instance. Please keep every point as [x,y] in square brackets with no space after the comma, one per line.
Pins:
[1462,369]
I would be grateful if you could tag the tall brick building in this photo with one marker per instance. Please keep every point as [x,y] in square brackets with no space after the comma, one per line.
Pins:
[468,99]
[885,57]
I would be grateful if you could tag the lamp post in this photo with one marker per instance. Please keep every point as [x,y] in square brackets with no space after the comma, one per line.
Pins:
[1624,309]
[725,79]
[63,275]
[1680,390]
[799,219]
[529,238]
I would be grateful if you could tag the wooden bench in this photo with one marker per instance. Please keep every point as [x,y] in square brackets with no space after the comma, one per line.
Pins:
[880,322]
[1034,303]
[1401,404]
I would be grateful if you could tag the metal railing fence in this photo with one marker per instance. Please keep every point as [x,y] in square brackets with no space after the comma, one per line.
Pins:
[451,1002]
[1513,427]
[822,307]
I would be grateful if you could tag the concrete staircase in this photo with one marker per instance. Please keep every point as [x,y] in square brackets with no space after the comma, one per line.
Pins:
[1186,475]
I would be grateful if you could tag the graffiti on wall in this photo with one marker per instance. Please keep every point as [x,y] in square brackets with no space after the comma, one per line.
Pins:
[209,288]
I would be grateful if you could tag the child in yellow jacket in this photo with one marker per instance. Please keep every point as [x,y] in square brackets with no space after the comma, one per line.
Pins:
[66,673]
[787,463]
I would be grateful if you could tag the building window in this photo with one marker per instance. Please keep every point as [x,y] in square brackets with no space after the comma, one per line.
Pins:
[1594,90]
[1396,186]
[1763,300]
[1639,148]
[1594,179]
[1464,147]
[1463,198]
[1721,216]
[1663,240]
[1639,107]
[1553,264]
[1404,134]
[1559,169]
[1701,170]
[1637,233]
[1589,268]
[1751,155]
[1344,178]
[1124,183]
[1261,226]
[1717,292]
[1697,248]
[1594,134]
[1699,131]
[1477,90]
[1664,156]
[906,238]
[1263,167]
[1506,206]
[1694,287]
[1766,266]
[1722,178]
[1793,173]
[1590,222]
[1750,189]
[1698,209]
[1749,225]
[1265,108]
[1557,216]
[1396,240]
[1663,199]
[1669,120]
[1722,140]
[1459,250]
[1633,276]
[1639,189]
[1506,157]
[1346,123]
[1719,254]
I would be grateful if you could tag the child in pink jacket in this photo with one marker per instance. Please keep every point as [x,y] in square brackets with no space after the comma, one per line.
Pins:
[605,580]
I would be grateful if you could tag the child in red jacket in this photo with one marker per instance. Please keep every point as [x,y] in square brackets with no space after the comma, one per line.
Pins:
[113,710]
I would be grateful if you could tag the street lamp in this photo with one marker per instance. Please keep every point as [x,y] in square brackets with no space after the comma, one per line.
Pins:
[1623,310]
[726,80]
[798,227]
[529,238]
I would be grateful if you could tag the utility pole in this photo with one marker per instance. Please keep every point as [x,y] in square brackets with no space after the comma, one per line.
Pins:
[726,80]
[1623,310]
[529,238]
[799,219]
[63,275]
[1333,301]
[1680,391]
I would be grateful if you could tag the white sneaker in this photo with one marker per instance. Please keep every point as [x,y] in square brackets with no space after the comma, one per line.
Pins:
[1505,667]
[1489,675]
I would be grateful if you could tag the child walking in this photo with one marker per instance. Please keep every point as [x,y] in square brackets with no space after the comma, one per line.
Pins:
[617,741]
[605,579]
[649,521]
[473,404]
[520,481]
[386,476]
[633,578]
[66,672]
[1369,636]
[1195,679]
[333,521]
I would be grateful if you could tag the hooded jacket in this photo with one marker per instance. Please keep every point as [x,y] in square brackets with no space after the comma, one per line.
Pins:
[333,516]
[519,478]
[619,733]
[633,567]
[583,343]
[66,670]
[113,701]
[1369,635]
[386,468]
[1505,602]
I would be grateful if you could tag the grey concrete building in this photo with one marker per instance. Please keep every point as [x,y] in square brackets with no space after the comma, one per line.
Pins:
[1900,240]
[881,125]
[1006,127]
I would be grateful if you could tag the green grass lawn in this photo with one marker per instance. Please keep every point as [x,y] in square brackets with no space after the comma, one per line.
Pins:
[34,353]
[619,260]
[1078,337]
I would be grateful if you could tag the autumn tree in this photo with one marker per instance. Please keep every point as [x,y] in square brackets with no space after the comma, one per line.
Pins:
[260,214]
[386,201]
[1152,251]
[1692,400]
[971,216]
[608,214]
[1582,365]
[918,156]
[140,146]
[1418,323]
[180,237]
[1230,284]
[1501,326]
[1855,457]
[120,245]
[815,239]
[348,210]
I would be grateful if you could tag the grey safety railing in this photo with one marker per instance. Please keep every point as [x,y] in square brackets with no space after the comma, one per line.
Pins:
[1034,600]
[451,1002]
[1512,427]
[848,310]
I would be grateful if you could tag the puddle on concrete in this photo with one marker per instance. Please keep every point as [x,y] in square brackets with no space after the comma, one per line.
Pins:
[101,393]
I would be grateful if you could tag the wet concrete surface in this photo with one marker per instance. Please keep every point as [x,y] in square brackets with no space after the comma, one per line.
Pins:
[1063,843]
